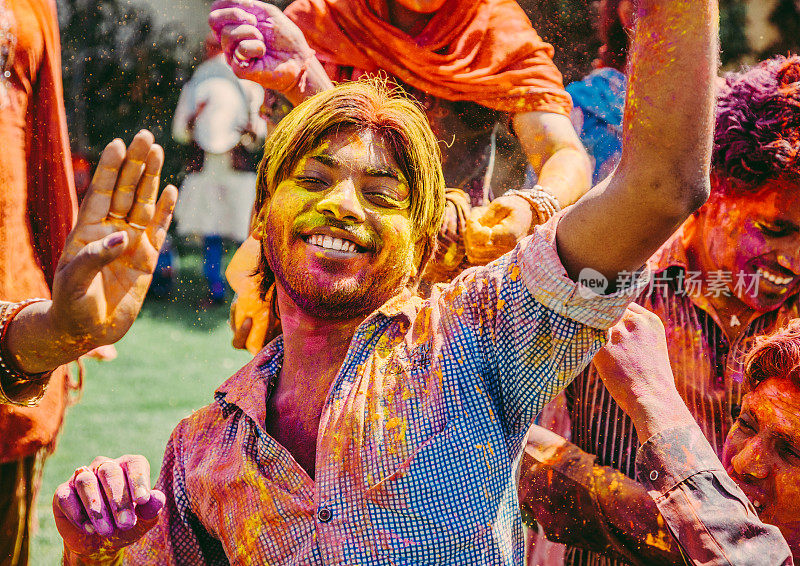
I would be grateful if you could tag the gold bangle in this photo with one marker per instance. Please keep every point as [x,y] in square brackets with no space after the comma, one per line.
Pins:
[8,371]
[543,203]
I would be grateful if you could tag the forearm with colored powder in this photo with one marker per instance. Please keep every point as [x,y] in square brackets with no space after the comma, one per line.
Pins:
[36,343]
[312,80]
[597,508]
[567,175]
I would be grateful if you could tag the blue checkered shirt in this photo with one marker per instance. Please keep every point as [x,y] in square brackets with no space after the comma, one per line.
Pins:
[418,442]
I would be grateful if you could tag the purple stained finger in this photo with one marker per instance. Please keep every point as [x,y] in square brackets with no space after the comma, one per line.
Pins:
[150,509]
[71,505]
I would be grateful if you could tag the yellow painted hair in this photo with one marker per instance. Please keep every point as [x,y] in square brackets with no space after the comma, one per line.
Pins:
[373,105]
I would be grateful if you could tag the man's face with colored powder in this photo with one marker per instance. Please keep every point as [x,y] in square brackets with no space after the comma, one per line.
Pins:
[758,234]
[337,233]
[762,454]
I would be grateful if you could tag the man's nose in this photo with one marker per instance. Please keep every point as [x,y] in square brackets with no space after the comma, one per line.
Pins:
[751,462]
[342,203]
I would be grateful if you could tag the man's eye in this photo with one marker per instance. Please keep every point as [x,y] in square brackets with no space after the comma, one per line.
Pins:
[745,425]
[771,230]
[312,181]
[790,453]
[383,198]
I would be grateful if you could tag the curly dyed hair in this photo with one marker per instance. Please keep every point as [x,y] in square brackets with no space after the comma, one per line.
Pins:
[757,134]
[775,355]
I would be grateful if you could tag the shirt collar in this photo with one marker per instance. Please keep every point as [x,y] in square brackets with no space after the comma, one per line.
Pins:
[250,387]
[405,303]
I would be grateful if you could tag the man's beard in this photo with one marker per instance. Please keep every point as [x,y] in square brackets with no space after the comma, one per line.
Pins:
[347,298]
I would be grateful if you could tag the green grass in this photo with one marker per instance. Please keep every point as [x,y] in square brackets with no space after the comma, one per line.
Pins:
[169,364]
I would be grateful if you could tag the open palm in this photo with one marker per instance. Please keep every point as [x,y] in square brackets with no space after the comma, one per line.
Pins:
[109,258]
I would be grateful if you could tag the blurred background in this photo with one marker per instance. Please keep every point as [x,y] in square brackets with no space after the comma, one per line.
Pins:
[126,60]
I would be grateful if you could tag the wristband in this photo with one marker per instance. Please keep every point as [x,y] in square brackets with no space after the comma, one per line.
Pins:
[543,204]
[34,384]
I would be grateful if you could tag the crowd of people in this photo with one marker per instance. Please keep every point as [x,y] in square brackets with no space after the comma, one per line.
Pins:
[591,358]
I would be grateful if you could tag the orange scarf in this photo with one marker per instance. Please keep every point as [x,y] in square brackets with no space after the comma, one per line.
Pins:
[52,202]
[483,51]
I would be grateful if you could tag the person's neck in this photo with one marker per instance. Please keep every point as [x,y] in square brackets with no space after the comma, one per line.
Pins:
[732,313]
[314,348]
[408,21]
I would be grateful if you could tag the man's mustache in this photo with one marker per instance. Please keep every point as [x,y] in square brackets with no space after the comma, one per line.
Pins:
[363,236]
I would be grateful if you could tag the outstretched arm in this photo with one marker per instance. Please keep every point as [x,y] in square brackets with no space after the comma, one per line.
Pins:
[556,154]
[105,269]
[663,175]
[611,513]
[563,170]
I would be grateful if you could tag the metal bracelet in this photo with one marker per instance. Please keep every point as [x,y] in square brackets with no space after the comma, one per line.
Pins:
[8,372]
[543,203]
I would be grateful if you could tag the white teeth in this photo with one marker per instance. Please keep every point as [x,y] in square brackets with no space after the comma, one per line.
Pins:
[330,243]
[774,278]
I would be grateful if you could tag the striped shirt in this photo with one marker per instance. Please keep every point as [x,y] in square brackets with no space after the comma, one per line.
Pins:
[418,440]
[708,371]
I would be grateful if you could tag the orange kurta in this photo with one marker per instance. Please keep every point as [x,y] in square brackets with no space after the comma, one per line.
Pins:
[37,197]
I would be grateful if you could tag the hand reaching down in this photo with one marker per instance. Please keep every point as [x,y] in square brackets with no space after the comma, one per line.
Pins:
[260,42]
[106,506]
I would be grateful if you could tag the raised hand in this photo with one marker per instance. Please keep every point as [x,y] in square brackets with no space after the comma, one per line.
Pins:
[260,43]
[495,229]
[109,257]
[635,368]
[106,506]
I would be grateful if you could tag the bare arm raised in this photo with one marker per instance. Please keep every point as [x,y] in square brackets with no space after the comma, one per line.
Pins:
[664,172]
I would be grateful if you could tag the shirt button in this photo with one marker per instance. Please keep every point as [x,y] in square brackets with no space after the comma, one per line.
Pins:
[653,475]
[324,515]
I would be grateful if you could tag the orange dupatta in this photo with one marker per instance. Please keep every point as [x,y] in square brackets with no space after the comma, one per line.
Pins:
[483,51]
[52,201]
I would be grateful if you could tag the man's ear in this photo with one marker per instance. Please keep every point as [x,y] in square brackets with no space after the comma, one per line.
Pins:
[421,254]
[258,226]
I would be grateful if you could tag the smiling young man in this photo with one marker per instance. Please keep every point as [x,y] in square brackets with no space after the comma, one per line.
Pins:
[731,273]
[381,427]
[476,68]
